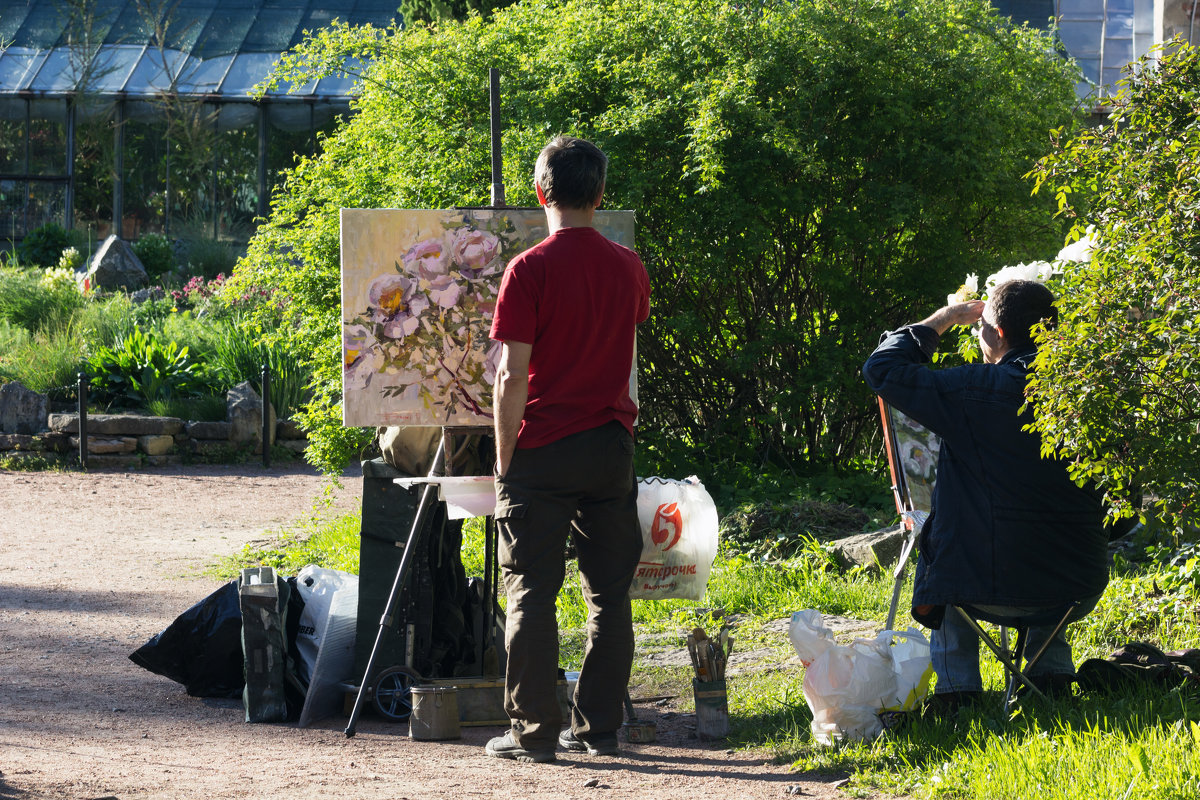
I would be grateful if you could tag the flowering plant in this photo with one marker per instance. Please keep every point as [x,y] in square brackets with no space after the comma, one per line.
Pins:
[420,341]
[1040,271]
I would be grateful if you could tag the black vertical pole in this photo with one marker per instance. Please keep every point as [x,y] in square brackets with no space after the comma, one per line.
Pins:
[83,443]
[497,159]
[266,413]
[69,204]
[119,170]
[263,192]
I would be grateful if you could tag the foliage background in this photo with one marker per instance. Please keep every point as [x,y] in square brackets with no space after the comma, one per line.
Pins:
[1117,387]
[805,174]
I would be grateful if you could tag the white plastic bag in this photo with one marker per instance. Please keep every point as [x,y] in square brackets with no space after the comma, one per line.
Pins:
[847,686]
[679,539]
[317,587]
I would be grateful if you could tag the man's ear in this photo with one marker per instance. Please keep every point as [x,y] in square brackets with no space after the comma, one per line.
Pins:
[599,198]
[540,194]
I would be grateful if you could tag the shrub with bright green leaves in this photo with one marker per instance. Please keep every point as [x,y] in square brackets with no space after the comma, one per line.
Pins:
[43,246]
[37,301]
[156,254]
[805,174]
[138,368]
[239,355]
[1117,384]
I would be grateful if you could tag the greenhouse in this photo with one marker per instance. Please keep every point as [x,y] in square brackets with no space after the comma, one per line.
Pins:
[136,116]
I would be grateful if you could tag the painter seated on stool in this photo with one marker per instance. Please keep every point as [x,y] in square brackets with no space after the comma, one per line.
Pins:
[1010,533]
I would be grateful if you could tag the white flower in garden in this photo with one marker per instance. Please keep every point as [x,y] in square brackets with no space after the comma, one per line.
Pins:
[427,259]
[361,358]
[1079,251]
[968,291]
[473,250]
[1038,271]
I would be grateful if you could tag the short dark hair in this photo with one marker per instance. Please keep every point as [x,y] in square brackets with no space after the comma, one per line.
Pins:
[571,172]
[1018,306]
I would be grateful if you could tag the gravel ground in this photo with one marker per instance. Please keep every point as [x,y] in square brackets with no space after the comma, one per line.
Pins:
[92,565]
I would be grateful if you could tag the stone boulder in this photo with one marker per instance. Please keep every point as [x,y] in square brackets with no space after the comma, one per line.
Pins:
[878,550]
[22,410]
[116,266]
[245,409]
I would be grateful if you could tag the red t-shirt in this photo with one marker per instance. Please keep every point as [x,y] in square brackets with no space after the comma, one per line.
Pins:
[577,298]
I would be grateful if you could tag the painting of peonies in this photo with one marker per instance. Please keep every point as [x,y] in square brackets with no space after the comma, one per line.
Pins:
[418,291]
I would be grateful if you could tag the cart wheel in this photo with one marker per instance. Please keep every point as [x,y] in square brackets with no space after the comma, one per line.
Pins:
[393,693]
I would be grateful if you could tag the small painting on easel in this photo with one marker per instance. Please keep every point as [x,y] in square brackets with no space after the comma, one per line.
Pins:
[419,289]
[913,453]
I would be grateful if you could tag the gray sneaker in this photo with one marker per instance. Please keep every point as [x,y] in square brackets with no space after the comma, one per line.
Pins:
[506,747]
[605,745]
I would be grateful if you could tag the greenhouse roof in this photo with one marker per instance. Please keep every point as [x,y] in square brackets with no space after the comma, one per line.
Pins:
[216,49]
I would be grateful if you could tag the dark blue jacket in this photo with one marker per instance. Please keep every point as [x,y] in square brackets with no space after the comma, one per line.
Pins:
[1007,527]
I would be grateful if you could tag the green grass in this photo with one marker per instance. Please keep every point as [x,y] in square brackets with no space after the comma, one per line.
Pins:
[1140,744]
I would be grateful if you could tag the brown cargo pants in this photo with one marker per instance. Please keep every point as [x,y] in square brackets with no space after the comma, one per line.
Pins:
[582,485]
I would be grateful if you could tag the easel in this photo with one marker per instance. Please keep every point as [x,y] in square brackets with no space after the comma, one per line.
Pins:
[911,517]
[438,470]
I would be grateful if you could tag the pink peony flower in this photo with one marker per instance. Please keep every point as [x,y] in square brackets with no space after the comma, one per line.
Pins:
[427,259]
[444,291]
[361,358]
[473,250]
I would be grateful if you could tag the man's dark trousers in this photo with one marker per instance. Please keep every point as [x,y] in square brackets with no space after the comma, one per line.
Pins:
[583,484]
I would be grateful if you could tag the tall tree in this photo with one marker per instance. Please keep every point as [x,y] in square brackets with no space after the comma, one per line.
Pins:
[805,174]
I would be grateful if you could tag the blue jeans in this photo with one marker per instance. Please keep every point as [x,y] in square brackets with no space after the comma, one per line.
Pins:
[954,647]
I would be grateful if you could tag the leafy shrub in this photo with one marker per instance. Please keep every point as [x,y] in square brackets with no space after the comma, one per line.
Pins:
[35,301]
[43,246]
[156,254]
[239,356]
[801,183]
[205,408]
[71,259]
[208,258]
[138,369]
[104,320]
[47,361]
[1115,389]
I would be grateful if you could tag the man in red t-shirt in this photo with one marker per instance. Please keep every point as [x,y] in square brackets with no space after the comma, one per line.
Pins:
[566,316]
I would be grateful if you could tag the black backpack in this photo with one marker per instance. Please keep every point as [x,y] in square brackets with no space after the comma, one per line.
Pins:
[1139,662]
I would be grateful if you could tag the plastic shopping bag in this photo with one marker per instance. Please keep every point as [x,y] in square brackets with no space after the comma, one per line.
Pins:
[679,539]
[317,586]
[848,686]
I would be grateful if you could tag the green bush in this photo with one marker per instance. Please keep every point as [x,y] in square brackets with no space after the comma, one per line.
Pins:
[209,258]
[47,361]
[138,368]
[239,355]
[205,408]
[156,254]
[1115,388]
[43,246]
[31,301]
[805,175]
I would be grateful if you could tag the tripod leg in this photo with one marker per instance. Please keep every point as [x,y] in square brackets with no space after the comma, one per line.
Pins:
[410,549]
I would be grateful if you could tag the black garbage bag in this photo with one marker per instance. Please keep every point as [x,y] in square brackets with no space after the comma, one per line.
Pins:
[202,648]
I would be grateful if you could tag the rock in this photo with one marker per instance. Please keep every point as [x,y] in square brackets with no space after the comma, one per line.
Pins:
[116,266]
[289,429]
[294,445]
[209,430]
[22,410]
[156,444]
[104,446]
[17,441]
[870,550]
[245,409]
[146,295]
[118,424]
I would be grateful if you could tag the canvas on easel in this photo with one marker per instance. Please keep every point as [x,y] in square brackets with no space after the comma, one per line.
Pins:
[912,453]
[419,289]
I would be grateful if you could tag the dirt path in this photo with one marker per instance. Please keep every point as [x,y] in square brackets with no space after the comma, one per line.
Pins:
[92,566]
